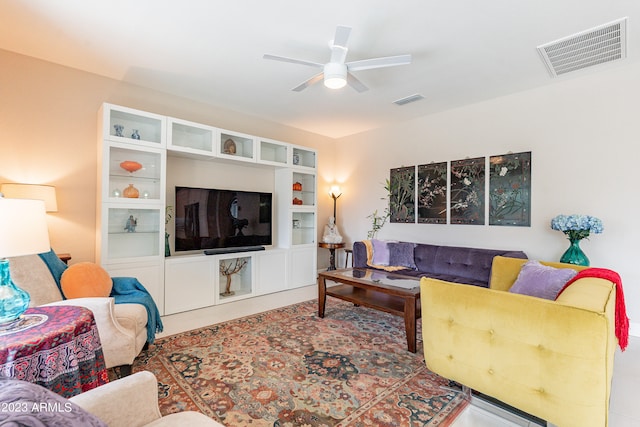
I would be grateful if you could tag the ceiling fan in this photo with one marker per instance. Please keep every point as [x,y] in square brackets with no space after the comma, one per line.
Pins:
[337,73]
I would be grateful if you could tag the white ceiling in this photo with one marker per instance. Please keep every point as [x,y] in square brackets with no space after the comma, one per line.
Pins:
[464,51]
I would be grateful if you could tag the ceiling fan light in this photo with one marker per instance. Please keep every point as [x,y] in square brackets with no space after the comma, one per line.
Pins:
[335,82]
[335,75]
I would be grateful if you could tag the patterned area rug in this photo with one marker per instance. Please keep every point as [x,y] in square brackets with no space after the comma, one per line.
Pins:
[288,367]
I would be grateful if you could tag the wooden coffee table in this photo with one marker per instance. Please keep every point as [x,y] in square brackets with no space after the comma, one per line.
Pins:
[392,293]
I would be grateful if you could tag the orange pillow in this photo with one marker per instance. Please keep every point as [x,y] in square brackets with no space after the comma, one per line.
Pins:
[85,279]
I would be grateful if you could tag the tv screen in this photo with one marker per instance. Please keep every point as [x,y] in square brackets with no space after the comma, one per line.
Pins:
[208,218]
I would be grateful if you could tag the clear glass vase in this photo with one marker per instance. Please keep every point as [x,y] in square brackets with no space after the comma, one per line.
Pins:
[13,300]
[574,255]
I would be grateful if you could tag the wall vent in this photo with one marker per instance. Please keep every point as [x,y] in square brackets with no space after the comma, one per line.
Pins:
[605,43]
[408,99]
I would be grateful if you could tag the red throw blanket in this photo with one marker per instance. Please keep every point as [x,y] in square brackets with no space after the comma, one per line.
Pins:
[622,321]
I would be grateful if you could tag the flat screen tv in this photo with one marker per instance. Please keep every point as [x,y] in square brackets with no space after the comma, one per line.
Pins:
[207,218]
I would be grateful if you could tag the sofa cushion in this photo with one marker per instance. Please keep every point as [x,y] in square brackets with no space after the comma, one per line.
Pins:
[85,279]
[401,254]
[30,273]
[468,263]
[541,281]
[425,257]
[380,252]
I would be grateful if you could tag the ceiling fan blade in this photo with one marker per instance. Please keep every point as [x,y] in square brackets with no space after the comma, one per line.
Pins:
[291,60]
[342,36]
[387,61]
[309,82]
[339,45]
[356,84]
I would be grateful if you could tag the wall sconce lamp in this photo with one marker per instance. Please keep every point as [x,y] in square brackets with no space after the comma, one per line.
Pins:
[23,231]
[34,192]
[335,192]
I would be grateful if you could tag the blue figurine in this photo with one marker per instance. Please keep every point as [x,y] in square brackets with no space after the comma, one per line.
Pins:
[131,224]
[135,134]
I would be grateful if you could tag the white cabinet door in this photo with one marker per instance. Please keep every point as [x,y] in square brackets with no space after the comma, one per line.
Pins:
[302,263]
[189,284]
[272,271]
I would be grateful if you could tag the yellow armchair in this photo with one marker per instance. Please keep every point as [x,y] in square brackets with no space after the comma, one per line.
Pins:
[551,359]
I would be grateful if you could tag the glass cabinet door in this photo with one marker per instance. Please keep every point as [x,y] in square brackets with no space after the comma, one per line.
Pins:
[131,126]
[188,137]
[236,146]
[133,233]
[303,228]
[304,189]
[303,158]
[273,152]
[134,174]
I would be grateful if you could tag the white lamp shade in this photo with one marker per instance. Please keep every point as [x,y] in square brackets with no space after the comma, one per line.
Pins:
[23,227]
[32,191]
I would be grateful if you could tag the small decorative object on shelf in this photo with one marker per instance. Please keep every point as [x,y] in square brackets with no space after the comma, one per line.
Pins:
[229,146]
[131,192]
[297,201]
[131,224]
[130,166]
[297,186]
[145,194]
[229,270]
[296,223]
[296,158]
[116,193]
[119,129]
[576,228]
[135,134]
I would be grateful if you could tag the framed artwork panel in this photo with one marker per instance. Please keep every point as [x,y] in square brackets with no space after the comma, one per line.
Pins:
[402,194]
[432,193]
[467,191]
[510,189]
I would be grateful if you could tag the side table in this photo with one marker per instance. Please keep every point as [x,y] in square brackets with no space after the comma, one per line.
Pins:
[57,347]
[332,252]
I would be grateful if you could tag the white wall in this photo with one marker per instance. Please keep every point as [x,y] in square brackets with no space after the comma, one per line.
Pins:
[584,135]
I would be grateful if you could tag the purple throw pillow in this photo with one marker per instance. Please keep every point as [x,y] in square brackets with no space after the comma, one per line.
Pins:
[541,281]
[380,252]
[401,254]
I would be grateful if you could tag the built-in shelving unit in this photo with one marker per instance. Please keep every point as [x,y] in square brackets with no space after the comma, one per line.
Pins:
[133,194]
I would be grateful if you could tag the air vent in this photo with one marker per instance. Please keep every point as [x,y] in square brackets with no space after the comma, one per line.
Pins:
[605,43]
[408,99]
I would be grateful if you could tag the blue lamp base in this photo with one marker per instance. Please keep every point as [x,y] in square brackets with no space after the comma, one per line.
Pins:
[13,300]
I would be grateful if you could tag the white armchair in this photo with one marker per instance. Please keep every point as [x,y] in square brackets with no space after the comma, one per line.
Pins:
[122,327]
[133,402]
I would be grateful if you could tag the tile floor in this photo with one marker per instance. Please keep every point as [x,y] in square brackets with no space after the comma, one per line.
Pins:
[624,410]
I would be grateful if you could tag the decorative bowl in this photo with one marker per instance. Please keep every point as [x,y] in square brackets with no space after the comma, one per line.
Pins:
[130,166]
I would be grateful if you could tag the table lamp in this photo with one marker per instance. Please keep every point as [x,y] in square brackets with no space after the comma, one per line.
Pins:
[32,191]
[23,231]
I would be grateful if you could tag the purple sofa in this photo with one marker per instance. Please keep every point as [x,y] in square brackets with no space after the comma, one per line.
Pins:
[450,263]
